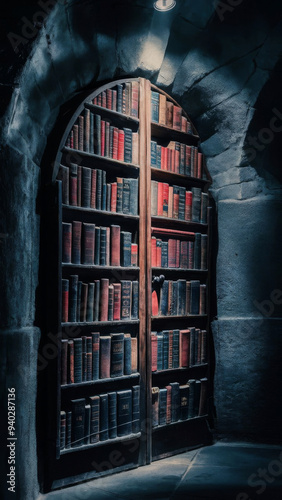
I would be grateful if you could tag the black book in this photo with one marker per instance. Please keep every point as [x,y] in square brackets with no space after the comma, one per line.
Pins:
[109,191]
[175,401]
[136,408]
[164,299]
[119,98]
[175,349]
[135,300]
[97,134]
[196,204]
[95,419]
[84,358]
[97,300]
[204,208]
[99,182]
[162,406]
[181,297]
[197,394]
[174,301]
[78,419]
[111,303]
[73,298]
[97,246]
[78,307]
[117,354]
[133,198]
[86,187]
[126,287]
[67,242]
[181,209]
[103,246]
[63,175]
[95,355]
[191,383]
[104,191]
[89,354]
[197,251]
[127,354]
[165,349]
[88,243]
[204,251]
[90,303]
[105,356]
[87,423]
[155,406]
[164,258]
[124,412]
[127,145]
[91,143]
[112,396]
[104,417]
[77,360]
[126,196]
[195,297]
[192,346]
[125,244]
[68,429]
[160,355]
[119,194]
[184,401]
[62,430]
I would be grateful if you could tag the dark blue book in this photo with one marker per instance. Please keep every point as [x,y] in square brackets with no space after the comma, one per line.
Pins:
[164,298]
[104,417]
[119,98]
[95,355]
[126,196]
[103,245]
[111,303]
[165,349]
[181,149]
[127,354]
[192,346]
[73,298]
[87,422]
[175,349]
[76,242]
[191,383]
[197,251]
[197,340]
[97,246]
[126,289]
[99,183]
[174,298]
[125,246]
[204,251]
[164,255]
[84,358]
[162,406]
[68,429]
[119,194]
[78,308]
[78,419]
[184,401]
[91,143]
[133,196]
[95,419]
[175,401]
[159,156]
[160,355]
[135,300]
[127,145]
[195,297]
[124,412]
[109,191]
[63,425]
[181,297]
[112,415]
[97,134]
[117,354]
[90,303]
[136,408]
[77,360]
[204,208]
[155,106]
[154,154]
[104,191]
[181,209]
[89,353]
[196,204]
[86,187]
[97,300]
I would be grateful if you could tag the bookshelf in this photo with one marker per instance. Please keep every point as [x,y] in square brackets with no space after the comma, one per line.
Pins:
[114,247]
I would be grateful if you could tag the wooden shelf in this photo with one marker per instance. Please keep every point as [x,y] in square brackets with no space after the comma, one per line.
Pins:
[179,369]
[166,175]
[99,381]
[90,159]
[103,323]
[157,219]
[173,424]
[188,316]
[93,211]
[100,268]
[163,270]
[163,132]
[129,437]
[110,113]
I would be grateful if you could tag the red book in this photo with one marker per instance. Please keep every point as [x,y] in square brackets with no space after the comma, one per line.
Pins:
[93,188]
[88,243]
[99,99]
[183,124]
[75,136]
[183,255]
[120,155]
[177,162]
[76,242]
[184,348]
[134,254]
[195,161]
[105,356]
[176,119]
[171,253]
[172,232]
[104,99]
[169,160]
[155,303]
[104,301]
[114,197]
[154,252]
[163,158]
[170,202]
[65,301]
[109,98]
[154,351]
[172,160]
[188,205]
[67,240]
[95,101]
[165,199]
[70,362]
[115,143]
[81,133]
[114,100]
[160,198]
[117,301]
[168,404]
[200,165]
[79,178]
[71,140]
[115,245]
[159,252]
[73,184]
[188,169]
[103,134]
[177,253]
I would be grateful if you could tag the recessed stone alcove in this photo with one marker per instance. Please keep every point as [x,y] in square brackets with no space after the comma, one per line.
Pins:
[227,75]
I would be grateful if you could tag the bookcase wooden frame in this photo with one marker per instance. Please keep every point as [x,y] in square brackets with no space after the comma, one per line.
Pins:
[65,467]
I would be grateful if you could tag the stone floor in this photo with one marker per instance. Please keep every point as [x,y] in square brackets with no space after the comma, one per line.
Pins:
[223,471]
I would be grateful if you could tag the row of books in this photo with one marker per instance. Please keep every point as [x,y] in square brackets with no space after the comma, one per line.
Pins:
[166,113]
[88,188]
[177,158]
[175,253]
[99,301]
[94,135]
[178,203]
[179,298]
[97,357]
[85,243]
[178,348]
[123,98]
[99,418]
[177,402]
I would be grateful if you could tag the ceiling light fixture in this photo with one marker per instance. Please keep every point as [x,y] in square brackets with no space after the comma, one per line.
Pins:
[164,5]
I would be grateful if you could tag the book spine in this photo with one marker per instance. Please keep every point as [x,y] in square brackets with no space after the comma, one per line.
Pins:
[97,246]
[88,243]
[133,196]
[73,184]
[127,354]
[76,242]
[184,401]
[77,360]
[68,429]
[125,243]
[155,406]
[125,299]
[90,303]
[64,361]
[135,300]
[117,354]
[87,423]
[62,430]
[111,303]
[95,419]
[67,242]
[175,401]
[136,408]
[104,299]
[65,300]
[95,355]
[104,417]
[168,405]
[124,412]
[154,351]
[127,145]
[162,406]
[70,362]
[134,355]
[112,400]
[115,245]
[175,349]
[78,419]
[105,356]
[155,106]
[117,301]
